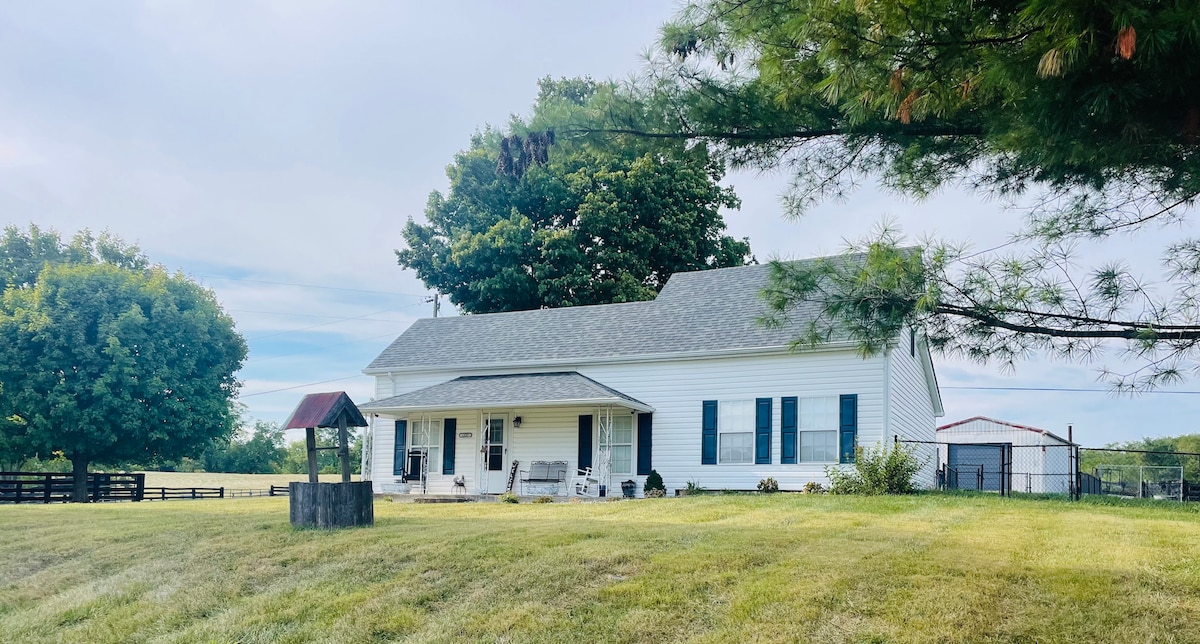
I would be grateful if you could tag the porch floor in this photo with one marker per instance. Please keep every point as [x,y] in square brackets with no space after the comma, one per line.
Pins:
[484,498]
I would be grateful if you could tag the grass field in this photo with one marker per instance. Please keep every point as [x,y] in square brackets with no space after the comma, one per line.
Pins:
[229,481]
[705,569]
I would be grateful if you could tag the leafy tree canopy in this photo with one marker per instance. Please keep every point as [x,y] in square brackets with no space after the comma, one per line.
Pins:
[113,364]
[1085,114]
[23,253]
[532,222]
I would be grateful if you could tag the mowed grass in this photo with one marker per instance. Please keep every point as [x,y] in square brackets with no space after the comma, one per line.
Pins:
[926,568]
[230,481]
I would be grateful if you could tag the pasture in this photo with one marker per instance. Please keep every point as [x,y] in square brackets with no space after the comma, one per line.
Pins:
[230,481]
[927,568]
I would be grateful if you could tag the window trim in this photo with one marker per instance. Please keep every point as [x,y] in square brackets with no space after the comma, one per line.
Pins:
[750,430]
[835,429]
[632,444]
[433,466]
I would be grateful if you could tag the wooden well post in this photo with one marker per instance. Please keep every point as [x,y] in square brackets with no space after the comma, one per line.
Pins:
[329,505]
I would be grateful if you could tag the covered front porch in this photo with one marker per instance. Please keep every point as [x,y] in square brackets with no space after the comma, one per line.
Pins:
[556,434]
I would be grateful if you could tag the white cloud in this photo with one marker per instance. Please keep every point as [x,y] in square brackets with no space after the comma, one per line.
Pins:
[288,141]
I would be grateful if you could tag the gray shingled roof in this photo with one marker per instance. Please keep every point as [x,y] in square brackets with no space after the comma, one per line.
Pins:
[526,389]
[708,310]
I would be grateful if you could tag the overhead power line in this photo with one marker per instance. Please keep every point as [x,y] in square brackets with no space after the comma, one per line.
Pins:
[317,286]
[310,315]
[323,324]
[307,384]
[1070,390]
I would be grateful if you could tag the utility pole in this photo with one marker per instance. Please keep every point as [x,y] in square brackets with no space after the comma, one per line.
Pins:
[436,301]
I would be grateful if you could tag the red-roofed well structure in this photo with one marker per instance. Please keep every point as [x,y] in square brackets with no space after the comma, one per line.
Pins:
[329,505]
[324,410]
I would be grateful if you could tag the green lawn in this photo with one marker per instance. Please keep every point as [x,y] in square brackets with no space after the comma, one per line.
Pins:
[705,569]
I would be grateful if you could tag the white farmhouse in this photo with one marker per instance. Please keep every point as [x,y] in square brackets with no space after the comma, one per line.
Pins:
[997,456]
[689,384]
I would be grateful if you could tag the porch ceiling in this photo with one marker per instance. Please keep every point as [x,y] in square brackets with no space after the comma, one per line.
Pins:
[513,390]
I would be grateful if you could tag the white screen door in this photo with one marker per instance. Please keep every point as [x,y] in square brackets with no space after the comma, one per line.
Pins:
[495,452]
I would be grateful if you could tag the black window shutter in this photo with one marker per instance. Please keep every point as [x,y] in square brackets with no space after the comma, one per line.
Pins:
[787,430]
[399,455]
[585,441]
[645,440]
[762,431]
[708,435]
[449,433]
[848,426]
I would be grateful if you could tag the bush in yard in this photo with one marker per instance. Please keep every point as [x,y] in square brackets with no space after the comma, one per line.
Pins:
[812,487]
[509,497]
[543,499]
[768,485]
[655,494]
[877,470]
[654,482]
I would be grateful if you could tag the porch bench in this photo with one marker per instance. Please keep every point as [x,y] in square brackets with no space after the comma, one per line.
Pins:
[543,474]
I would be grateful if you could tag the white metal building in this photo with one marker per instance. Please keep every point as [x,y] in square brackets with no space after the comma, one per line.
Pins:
[1039,461]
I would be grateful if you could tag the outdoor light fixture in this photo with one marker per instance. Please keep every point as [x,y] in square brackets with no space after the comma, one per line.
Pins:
[517,421]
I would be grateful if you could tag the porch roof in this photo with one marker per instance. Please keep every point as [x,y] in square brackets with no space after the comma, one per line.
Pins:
[512,390]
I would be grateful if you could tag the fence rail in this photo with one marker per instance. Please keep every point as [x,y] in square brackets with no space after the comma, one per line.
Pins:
[56,487]
[169,493]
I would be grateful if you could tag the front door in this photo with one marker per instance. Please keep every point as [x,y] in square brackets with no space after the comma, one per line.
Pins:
[495,450]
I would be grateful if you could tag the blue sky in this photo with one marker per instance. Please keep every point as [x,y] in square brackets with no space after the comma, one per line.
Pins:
[274,150]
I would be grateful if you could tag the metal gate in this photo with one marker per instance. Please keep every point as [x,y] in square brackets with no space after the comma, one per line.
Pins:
[985,467]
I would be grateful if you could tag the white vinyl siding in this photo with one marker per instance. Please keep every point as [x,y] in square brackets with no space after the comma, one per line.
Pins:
[912,415]
[818,430]
[675,388]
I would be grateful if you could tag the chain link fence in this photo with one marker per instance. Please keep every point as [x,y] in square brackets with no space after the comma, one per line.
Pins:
[1064,469]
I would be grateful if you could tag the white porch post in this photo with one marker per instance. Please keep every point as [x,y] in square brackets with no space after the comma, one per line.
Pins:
[604,451]
[485,427]
[368,443]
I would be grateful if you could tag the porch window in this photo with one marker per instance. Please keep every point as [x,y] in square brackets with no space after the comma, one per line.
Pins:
[818,430]
[622,444]
[735,432]
[426,433]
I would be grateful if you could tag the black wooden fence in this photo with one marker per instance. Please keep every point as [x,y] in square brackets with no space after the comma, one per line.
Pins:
[53,487]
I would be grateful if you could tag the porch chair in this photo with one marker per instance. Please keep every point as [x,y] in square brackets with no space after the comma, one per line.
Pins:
[585,483]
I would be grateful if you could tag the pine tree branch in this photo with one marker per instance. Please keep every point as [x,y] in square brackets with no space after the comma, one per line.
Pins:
[1132,331]
[803,135]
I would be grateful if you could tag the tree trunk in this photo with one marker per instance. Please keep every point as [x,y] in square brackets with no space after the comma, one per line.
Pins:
[79,468]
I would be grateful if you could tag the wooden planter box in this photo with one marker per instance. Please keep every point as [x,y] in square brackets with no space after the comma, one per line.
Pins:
[331,505]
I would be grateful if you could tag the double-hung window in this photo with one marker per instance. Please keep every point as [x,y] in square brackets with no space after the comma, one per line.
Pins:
[735,432]
[819,430]
[621,448]
[426,434]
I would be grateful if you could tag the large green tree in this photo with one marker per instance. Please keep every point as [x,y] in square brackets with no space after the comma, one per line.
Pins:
[530,222]
[115,364]
[1086,114]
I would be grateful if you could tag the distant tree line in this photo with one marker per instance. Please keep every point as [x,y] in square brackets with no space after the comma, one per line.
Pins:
[1178,445]
[260,448]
